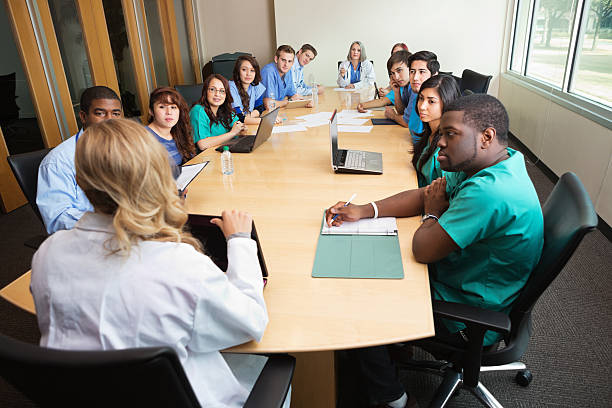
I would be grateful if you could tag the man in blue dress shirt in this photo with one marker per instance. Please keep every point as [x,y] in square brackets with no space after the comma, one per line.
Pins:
[303,57]
[277,79]
[60,200]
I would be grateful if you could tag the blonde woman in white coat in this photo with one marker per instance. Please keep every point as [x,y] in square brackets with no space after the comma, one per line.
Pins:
[129,275]
[356,72]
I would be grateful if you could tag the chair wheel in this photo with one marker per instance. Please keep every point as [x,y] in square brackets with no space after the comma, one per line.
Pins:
[523,378]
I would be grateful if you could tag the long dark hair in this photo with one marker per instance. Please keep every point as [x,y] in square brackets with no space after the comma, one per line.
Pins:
[448,92]
[225,111]
[181,132]
[244,96]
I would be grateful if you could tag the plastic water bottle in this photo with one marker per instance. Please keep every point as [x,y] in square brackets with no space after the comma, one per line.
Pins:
[315,95]
[272,104]
[227,165]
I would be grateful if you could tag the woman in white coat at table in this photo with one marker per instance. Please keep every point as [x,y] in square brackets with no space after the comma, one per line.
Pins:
[129,274]
[356,72]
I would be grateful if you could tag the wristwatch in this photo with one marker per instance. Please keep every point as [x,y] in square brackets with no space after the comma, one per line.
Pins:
[428,216]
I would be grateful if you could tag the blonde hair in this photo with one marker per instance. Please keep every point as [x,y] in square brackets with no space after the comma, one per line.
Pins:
[126,173]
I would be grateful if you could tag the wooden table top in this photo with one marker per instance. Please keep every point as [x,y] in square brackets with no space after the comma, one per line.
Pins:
[285,185]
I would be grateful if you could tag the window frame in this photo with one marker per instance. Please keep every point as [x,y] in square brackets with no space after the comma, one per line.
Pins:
[582,105]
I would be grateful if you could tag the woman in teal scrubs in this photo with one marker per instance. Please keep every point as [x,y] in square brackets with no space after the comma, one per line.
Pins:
[213,119]
[434,94]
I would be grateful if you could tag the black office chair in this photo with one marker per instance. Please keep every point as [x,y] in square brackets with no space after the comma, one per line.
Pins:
[224,63]
[146,377]
[25,168]
[191,93]
[568,216]
[474,81]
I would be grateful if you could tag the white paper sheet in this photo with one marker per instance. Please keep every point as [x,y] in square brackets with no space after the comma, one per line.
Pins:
[365,226]
[354,129]
[289,128]
[344,89]
[352,121]
[188,173]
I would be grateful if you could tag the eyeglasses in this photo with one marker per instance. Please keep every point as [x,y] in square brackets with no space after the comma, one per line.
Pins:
[215,90]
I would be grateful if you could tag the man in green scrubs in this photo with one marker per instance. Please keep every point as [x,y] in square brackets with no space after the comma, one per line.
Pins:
[482,228]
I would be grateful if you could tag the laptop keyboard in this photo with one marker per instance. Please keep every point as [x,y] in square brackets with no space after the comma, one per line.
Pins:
[355,159]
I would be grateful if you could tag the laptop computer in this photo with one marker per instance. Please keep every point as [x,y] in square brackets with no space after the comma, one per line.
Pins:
[246,144]
[215,245]
[352,161]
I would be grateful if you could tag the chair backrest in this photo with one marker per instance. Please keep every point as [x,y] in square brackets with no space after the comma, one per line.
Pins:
[475,82]
[120,378]
[191,93]
[224,63]
[568,216]
[25,168]
[10,109]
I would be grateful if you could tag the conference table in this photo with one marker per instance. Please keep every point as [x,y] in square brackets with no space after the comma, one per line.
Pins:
[285,184]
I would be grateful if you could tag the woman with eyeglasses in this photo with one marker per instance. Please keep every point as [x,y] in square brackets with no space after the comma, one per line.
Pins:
[213,119]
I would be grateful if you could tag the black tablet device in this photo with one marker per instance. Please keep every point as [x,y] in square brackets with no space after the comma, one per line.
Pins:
[214,242]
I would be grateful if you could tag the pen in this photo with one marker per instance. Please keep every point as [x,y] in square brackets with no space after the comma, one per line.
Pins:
[345,204]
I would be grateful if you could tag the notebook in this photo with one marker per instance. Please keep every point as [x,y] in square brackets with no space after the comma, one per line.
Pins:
[301,103]
[246,144]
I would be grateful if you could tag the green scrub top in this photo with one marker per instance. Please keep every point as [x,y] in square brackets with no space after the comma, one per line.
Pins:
[200,122]
[431,168]
[496,220]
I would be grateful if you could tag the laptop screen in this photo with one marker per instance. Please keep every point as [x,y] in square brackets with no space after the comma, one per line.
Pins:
[265,128]
[333,135]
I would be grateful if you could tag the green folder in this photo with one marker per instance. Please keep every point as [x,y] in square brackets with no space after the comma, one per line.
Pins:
[358,256]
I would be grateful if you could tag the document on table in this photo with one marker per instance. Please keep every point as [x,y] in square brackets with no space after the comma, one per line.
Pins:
[316,116]
[344,89]
[355,129]
[289,128]
[188,173]
[365,226]
[354,114]
[352,121]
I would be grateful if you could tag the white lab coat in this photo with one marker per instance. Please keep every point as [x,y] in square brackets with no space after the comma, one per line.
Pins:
[367,78]
[164,293]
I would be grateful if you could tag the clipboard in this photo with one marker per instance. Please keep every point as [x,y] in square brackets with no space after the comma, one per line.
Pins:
[358,257]
[188,173]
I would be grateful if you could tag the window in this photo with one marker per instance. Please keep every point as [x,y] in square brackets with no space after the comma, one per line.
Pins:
[566,44]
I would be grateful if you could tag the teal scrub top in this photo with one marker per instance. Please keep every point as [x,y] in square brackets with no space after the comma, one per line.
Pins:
[496,220]
[431,168]
[200,122]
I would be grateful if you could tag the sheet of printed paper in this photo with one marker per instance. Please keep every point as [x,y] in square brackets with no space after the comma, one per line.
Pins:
[289,128]
[354,129]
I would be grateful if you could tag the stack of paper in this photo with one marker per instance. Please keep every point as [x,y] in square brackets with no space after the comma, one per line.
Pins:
[353,114]
[315,119]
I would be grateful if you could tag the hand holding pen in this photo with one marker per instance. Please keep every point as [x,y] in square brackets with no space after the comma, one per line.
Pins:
[341,208]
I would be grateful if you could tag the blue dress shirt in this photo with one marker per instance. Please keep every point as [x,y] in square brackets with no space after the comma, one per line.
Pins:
[272,80]
[297,72]
[60,200]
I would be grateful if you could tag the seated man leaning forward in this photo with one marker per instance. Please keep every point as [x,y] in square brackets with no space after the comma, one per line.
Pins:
[482,230]
[277,78]
[60,200]
[399,77]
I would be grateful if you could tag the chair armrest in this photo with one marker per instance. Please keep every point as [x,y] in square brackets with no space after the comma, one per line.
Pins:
[272,385]
[472,316]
